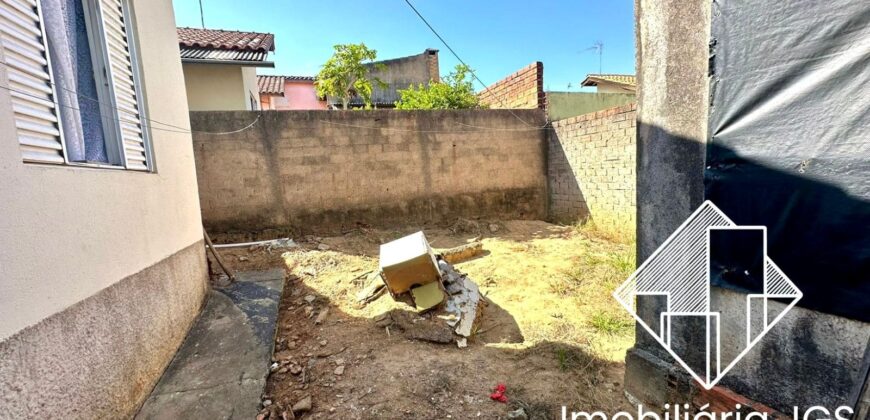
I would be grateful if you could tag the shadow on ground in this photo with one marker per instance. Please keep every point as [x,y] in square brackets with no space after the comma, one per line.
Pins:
[356,366]
[398,374]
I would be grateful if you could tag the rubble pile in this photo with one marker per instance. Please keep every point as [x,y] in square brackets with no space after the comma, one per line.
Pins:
[447,303]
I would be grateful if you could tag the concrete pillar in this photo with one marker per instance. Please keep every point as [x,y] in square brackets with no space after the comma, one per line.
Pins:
[672,61]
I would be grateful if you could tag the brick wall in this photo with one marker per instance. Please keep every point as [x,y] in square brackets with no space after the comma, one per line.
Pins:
[591,169]
[521,90]
[434,68]
[329,170]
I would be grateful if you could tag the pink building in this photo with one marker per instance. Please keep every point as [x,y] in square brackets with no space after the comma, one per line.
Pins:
[288,92]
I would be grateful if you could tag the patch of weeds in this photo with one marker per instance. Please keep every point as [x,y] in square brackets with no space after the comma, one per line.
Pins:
[612,266]
[608,233]
[566,359]
[610,324]
[622,261]
[583,360]
[566,284]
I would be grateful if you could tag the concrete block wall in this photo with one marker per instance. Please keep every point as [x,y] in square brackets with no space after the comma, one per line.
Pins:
[332,170]
[591,169]
[523,89]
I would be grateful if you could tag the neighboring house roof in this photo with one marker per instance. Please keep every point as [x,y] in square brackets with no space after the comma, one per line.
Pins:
[627,80]
[271,85]
[217,45]
[274,85]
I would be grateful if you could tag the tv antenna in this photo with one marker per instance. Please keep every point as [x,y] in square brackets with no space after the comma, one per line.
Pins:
[598,47]
[201,15]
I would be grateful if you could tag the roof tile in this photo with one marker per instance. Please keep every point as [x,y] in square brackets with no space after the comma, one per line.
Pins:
[221,45]
[274,85]
[625,79]
[271,85]
[220,39]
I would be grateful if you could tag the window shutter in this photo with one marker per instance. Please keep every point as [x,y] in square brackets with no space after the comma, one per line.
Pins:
[123,75]
[30,88]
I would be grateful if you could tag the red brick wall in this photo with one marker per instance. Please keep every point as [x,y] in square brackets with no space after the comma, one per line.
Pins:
[521,90]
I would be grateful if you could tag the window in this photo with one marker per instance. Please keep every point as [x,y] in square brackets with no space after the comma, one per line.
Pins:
[74,82]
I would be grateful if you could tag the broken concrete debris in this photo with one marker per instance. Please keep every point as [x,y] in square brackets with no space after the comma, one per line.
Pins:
[410,270]
[518,414]
[321,316]
[302,406]
[374,288]
[464,299]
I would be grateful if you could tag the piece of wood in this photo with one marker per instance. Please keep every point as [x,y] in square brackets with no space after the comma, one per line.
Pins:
[461,253]
[217,256]
[374,288]
[245,244]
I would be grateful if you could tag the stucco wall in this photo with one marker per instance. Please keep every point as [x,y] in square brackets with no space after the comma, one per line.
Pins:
[100,358]
[561,105]
[69,234]
[809,357]
[252,91]
[216,87]
[298,95]
[325,170]
[302,95]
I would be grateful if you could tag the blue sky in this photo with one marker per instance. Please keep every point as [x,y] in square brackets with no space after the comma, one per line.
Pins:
[495,37]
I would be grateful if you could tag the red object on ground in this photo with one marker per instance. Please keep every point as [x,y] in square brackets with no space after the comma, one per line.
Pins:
[498,395]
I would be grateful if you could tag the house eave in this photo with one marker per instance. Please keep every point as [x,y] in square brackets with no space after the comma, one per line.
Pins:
[266,64]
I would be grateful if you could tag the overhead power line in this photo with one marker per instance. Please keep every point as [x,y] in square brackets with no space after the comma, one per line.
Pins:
[109,107]
[452,51]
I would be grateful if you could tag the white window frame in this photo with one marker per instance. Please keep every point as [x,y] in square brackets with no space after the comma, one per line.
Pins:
[133,47]
[114,142]
[103,79]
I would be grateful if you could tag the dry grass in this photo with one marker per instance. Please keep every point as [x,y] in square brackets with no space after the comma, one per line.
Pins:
[551,313]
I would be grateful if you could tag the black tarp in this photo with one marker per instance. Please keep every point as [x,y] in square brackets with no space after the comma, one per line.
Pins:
[789,144]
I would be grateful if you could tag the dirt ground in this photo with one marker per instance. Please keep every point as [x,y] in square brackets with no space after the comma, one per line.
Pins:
[552,334]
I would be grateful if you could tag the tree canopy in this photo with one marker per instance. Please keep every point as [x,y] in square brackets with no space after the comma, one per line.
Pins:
[345,74]
[454,91]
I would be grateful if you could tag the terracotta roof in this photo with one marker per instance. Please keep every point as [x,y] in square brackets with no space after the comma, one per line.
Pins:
[274,85]
[221,45]
[629,80]
[271,85]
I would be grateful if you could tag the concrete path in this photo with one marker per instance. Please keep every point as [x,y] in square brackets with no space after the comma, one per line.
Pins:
[220,370]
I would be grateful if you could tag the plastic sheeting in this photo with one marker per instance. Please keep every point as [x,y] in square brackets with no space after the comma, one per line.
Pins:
[790,140]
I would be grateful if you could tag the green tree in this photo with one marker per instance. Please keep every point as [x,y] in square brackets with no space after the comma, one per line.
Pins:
[345,74]
[454,91]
